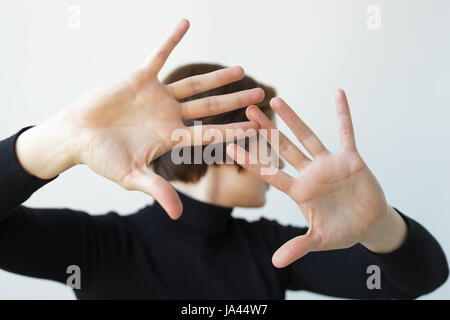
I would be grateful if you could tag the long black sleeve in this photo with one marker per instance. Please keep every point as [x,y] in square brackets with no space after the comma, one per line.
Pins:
[418,267]
[16,185]
[43,243]
[204,254]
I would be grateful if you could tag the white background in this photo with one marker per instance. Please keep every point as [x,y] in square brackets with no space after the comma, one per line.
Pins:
[397,79]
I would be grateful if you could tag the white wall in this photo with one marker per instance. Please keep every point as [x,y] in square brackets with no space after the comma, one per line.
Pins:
[397,79]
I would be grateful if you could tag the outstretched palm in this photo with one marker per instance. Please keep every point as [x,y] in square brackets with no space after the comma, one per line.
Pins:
[337,193]
[123,127]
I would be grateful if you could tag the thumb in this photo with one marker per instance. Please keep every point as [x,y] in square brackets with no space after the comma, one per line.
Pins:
[292,250]
[158,188]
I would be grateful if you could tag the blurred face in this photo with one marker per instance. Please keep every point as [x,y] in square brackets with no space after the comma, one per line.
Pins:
[241,188]
[227,186]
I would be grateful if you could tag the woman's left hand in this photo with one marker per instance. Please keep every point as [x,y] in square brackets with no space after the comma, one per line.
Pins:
[337,193]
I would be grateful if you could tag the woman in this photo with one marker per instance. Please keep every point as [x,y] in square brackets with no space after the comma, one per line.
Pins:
[205,253]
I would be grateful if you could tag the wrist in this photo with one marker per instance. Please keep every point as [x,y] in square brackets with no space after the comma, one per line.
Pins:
[388,234]
[47,149]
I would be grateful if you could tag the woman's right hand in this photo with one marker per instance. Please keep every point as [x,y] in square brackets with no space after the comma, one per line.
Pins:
[119,130]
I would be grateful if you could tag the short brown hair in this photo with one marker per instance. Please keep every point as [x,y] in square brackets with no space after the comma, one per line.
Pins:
[164,165]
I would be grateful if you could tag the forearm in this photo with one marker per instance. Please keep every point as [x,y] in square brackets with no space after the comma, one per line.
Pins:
[16,185]
[419,265]
[388,234]
[48,149]
[408,254]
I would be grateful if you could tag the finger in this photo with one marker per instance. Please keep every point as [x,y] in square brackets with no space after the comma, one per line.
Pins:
[302,132]
[201,135]
[273,175]
[346,131]
[277,139]
[292,250]
[210,106]
[158,57]
[158,188]
[197,84]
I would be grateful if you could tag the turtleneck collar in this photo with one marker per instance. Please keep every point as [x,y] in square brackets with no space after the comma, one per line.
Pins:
[199,224]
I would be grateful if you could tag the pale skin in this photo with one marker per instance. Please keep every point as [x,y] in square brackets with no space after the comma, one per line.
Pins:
[338,195]
[119,130]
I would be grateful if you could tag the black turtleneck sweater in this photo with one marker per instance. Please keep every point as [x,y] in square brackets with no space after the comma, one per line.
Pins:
[205,254]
